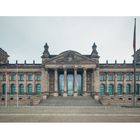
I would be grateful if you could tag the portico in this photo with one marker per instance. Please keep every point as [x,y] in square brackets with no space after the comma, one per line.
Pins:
[69,73]
[69,81]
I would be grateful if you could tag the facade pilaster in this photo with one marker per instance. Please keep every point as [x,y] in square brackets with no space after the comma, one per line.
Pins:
[124,83]
[115,83]
[43,80]
[96,81]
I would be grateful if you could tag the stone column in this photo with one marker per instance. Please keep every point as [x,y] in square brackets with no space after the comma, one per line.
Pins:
[115,83]
[65,82]
[75,82]
[55,82]
[124,83]
[84,82]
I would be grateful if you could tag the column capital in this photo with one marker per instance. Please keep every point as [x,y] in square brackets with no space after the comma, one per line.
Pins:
[65,69]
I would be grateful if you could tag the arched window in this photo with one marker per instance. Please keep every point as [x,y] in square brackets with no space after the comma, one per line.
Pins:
[111,89]
[21,89]
[13,89]
[29,88]
[137,89]
[119,88]
[102,89]
[38,88]
[3,89]
[128,88]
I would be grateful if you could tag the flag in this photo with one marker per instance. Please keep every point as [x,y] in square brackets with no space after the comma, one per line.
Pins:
[134,37]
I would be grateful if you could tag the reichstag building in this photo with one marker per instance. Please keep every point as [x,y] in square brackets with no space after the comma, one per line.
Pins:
[68,74]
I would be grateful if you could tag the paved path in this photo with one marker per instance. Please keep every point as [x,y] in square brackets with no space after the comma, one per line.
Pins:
[69,114]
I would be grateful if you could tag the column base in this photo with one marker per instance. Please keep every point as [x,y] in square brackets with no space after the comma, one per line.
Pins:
[65,94]
[85,94]
[55,94]
[75,94]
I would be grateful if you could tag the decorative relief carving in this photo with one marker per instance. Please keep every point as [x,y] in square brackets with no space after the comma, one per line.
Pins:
[70,57]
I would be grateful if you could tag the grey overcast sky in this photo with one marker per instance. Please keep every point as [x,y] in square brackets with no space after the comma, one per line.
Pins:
[24,37]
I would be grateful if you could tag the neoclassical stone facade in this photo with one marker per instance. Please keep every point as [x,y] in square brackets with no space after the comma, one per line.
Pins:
[67,74]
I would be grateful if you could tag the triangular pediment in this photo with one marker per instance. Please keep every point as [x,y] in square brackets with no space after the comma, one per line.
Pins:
[70,57]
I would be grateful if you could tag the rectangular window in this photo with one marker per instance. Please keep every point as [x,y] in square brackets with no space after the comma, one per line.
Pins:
[12,77]
[3,77]
[29,77]
[110,77]
[102,77]
[137,76]
[37,77]
[129,76]
[120,77]
[21,77]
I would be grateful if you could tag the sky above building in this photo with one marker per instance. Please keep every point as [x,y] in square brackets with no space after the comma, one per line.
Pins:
[24,37]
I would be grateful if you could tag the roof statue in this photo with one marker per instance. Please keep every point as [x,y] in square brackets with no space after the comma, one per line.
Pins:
[46,53]
[94,51]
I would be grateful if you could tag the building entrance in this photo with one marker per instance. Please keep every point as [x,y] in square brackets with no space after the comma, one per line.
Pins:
[70,84]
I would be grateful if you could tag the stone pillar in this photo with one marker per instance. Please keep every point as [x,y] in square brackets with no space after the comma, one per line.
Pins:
[84,82]
[43,81]
[65,82]
[115,83]
[47,81]
[75,82]
[96,81]
[55,82]
[124,83]
[92,83]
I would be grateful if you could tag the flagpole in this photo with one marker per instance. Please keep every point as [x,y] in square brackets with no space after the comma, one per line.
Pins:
[6,90]
[134,47]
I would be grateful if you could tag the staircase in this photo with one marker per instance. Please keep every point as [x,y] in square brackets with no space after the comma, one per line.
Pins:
[70,101]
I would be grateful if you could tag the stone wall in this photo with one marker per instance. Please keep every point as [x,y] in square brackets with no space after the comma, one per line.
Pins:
[24,100]
[119,100]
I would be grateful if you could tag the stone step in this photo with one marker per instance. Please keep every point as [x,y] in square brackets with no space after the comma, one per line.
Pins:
[69,101]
